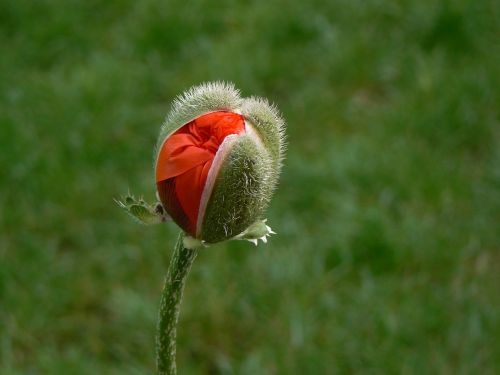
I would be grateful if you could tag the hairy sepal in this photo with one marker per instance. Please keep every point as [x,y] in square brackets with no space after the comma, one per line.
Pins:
[269,125]
[241,190]
[197,101]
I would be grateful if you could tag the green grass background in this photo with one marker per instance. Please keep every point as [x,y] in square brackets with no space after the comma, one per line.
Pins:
[388,212]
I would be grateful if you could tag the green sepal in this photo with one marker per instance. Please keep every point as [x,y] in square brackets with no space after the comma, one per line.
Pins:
[266,120]
[197,101]
[240,193]
[257,231]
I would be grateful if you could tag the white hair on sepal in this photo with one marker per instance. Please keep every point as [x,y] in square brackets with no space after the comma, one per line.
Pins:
[269,124]
[217,95]
[195,102]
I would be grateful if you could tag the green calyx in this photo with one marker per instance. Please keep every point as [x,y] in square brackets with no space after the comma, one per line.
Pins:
[246,177]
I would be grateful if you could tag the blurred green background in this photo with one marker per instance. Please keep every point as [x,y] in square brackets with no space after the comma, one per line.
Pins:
[388,213]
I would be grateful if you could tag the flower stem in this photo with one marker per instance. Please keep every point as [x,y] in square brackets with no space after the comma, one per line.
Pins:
[178,270]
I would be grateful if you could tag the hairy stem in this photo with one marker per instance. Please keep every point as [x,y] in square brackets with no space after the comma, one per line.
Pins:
[178,270]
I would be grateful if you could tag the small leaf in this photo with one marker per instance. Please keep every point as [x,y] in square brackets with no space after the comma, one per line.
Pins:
[143,212]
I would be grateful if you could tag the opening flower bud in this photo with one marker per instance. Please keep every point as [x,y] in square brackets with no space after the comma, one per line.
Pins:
[218,161]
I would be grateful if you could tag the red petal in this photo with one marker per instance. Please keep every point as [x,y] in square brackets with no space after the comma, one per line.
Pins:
[185,160]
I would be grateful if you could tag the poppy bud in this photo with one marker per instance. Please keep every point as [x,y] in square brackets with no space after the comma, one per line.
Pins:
[217,163]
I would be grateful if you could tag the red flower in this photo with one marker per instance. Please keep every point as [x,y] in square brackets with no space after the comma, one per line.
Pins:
[184,162]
